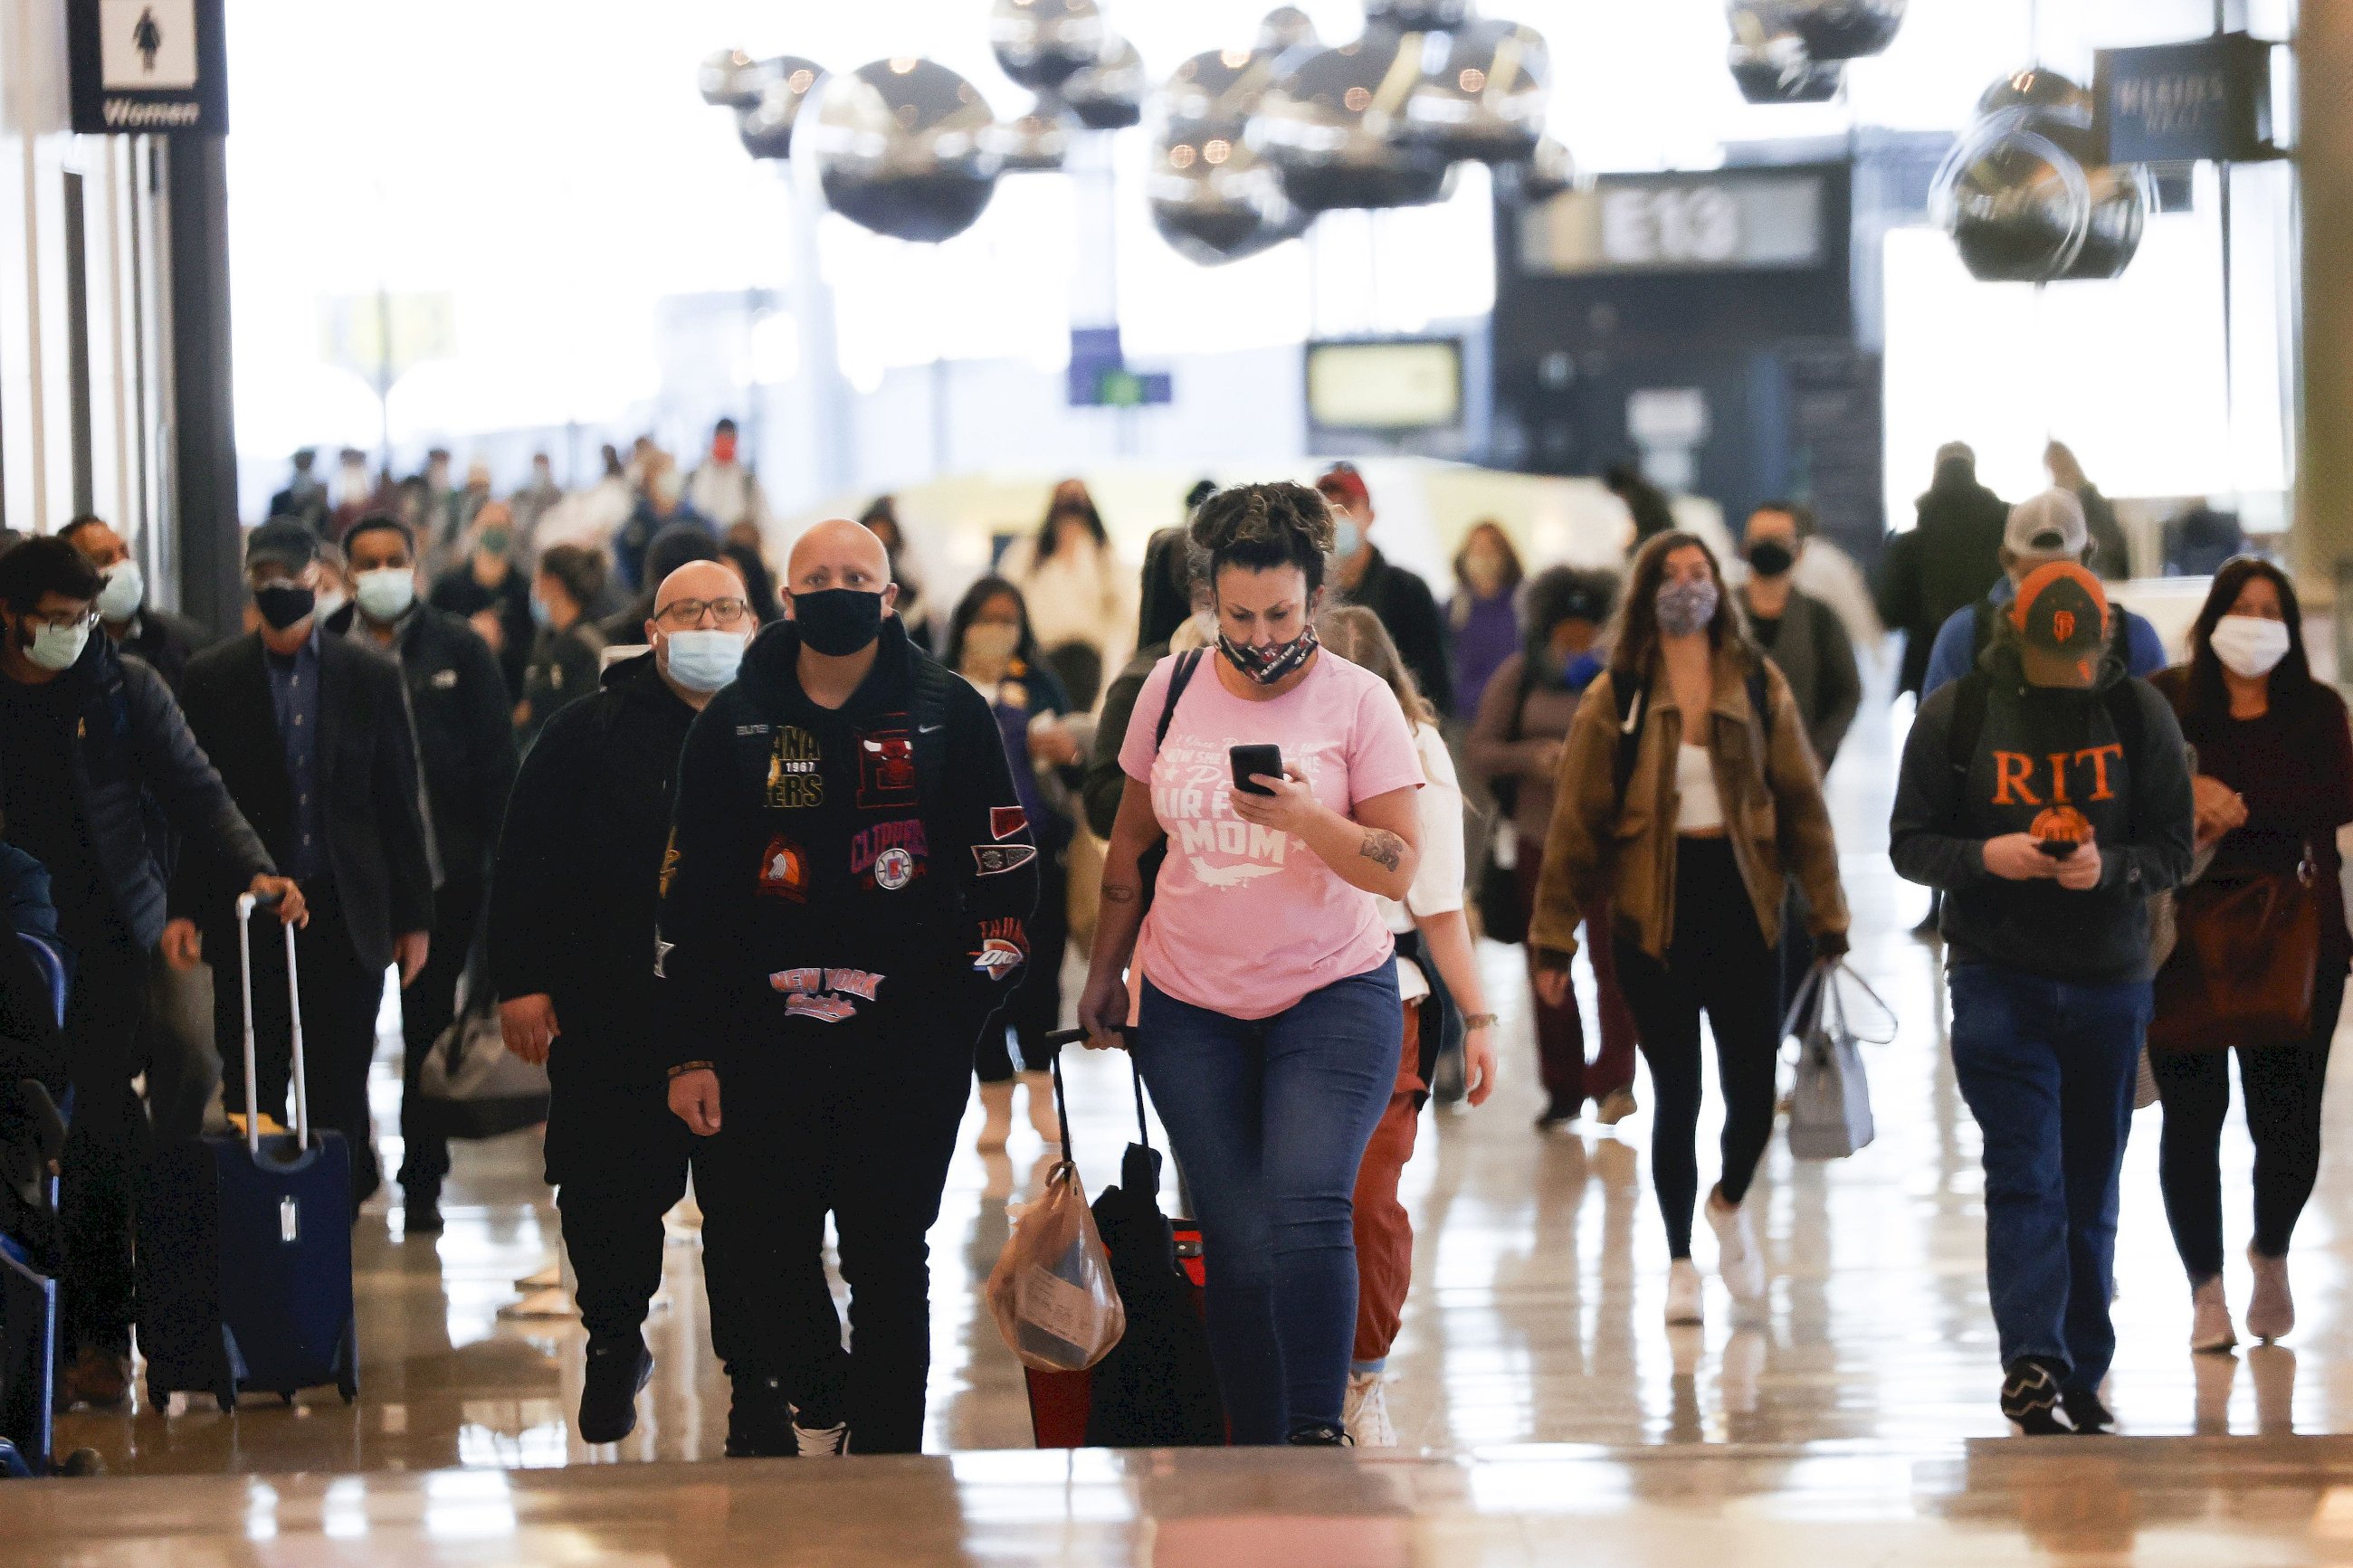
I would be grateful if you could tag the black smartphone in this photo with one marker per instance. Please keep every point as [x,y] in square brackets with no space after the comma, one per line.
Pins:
[2058,848]
[1249,761]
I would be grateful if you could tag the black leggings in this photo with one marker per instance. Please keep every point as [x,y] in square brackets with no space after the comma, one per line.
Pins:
[1717,960]
[2283,1104]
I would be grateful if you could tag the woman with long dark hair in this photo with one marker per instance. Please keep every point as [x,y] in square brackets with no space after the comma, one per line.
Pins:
[1270,1027]
[990,644]
[1688,796]
[1083,599]
[2274,784]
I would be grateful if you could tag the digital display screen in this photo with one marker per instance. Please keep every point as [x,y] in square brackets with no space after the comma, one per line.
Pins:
[1411,384]
[1678,222]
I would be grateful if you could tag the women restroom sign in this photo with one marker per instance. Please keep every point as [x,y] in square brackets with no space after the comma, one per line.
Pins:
[146,66]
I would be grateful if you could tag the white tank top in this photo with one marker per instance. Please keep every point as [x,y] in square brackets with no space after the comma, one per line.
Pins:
[1700,809]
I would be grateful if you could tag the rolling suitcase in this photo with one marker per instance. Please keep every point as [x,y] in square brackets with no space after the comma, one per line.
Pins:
[245,1246]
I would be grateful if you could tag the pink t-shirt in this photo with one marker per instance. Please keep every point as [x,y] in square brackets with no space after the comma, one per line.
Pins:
[1245,921]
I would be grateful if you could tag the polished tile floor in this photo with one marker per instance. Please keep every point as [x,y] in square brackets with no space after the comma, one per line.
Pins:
[1543,1406]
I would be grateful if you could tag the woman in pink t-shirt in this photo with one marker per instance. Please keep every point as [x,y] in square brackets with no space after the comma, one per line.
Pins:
[1270,1024]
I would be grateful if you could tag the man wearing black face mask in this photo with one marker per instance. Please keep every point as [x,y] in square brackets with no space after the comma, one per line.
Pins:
[845,903]
[1798,631]
[311,736]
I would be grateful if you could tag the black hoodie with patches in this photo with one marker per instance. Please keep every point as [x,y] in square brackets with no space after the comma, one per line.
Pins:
[2055,764]
[835,874]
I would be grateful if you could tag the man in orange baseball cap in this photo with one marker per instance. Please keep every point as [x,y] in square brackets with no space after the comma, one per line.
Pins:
[2047,796]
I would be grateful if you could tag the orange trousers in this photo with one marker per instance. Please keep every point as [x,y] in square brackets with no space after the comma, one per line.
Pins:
[1384,1233]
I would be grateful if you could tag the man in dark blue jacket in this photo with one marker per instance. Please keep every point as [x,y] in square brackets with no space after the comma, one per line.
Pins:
[89,742]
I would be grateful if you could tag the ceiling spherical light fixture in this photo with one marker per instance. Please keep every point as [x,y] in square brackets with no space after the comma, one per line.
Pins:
[1038,142]
[2122,195]
[1108,95]
[2017,204]
[730,80]
[1216,200]
[1486,101]
[2048,93]
[1287,28]
[1214,93]
[1041,44]
[766,128]
[1333,126]
[902,148]
[1844,29]
[1416,15]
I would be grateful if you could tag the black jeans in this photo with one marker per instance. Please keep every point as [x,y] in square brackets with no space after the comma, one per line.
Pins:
[1717,960]
[1034,1008]
[618,1159]
[2284,1091]
[341,998]
[863,1130]
[426,1009]
[105,1162]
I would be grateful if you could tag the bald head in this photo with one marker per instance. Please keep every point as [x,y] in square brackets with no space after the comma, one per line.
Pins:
[840,554]
[697,580]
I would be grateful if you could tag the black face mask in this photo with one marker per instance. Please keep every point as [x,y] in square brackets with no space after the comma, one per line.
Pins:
[838,621]
[1770,557]
[283,604]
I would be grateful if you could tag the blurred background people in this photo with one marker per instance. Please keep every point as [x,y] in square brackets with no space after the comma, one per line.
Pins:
[2111,556]
[165,640]
[1165,604]
[672,548]
[660,502]
[1803,636]
[1483,614]
[489,593]
[1514,747]
[529,506]
[1948,561]
[305,498]
[723,491]
[569,651]
[990,644]
[882,520]
[1646,503]
[1081,597]
[1363,575]
[743,549]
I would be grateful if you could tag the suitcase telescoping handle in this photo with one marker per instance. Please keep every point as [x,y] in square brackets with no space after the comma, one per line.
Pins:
[246,904]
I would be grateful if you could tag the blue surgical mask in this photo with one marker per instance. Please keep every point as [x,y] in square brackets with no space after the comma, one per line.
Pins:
[1347,537]
[540,616]
[385,594]
[704,661]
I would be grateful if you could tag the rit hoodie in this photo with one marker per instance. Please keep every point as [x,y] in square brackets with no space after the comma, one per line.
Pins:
[812,897]
[2051,763]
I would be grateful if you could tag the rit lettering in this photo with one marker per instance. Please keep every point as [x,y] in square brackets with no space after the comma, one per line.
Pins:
[2065,777]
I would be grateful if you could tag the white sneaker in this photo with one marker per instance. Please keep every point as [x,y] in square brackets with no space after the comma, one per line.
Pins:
[1366,1412]
[2210,1319]
[2271,1313]
[996,1117]
[1738,1258]
[820,1442]
[1683,1291]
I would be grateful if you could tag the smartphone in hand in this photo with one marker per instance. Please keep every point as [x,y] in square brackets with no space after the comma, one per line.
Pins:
[2058,848]
[1249,761]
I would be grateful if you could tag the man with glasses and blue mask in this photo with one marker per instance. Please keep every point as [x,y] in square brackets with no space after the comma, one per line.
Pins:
[572,950]
[88,740]
[310,734]
[458,718]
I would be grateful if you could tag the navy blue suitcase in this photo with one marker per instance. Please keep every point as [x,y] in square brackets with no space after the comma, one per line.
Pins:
[245,1247]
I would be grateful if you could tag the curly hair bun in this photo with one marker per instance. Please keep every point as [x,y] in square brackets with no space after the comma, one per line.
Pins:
[1276,519]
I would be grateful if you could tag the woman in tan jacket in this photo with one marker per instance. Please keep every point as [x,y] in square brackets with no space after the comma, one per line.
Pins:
[1690,829]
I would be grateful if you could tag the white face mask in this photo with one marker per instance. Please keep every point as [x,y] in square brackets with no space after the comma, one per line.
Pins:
[58,649]
[385,594]
[125,592]
[703,662]
[2249,646]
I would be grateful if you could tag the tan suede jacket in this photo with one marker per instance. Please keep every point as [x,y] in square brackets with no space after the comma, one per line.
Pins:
[1774,814]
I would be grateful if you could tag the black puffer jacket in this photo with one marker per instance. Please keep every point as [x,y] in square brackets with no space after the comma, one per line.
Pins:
[144,780]
[574,899]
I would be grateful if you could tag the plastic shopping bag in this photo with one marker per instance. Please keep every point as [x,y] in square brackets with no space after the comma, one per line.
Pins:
[1051,1291]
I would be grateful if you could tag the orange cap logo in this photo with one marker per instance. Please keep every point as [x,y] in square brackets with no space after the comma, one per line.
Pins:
[2062,626]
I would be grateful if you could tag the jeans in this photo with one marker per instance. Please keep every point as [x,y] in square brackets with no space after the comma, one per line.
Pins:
[1717,960]
[2047,1068]
[1270,1119]
[2284,1087]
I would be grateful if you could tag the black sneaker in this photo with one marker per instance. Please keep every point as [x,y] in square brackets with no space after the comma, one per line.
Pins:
[2031,1398]
[760,1419]
[608,1401]
[2090,1418]
[1322,1436]
[421,1211]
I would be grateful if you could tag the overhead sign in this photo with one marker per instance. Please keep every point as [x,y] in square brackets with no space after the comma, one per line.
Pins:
[139,66]
[2180,103]
[1388,387]
[1101,376]
[1730,221]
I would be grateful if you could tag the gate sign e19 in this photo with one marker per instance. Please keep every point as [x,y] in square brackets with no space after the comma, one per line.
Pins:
[141,66]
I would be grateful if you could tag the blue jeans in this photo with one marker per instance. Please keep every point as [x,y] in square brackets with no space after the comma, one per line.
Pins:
[2047,1068]
[1270,1119]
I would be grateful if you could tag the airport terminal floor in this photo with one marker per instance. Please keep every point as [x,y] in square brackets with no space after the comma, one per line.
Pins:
[1546,1414]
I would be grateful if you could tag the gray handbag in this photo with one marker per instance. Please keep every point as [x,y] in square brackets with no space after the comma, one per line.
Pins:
[1830,1106]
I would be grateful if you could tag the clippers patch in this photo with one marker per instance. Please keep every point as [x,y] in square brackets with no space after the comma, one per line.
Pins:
[890,855]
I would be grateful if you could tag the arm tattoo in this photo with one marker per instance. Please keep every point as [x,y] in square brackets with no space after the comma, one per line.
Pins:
[1118,893]
[1384,848]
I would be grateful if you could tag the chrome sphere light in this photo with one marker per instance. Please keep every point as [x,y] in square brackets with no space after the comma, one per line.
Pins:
[1215,199]
[1333,126]
[1844,29]
[731,80]
[1214,94]
[2017,204]
[902,148]
[1418,15]
[1041,44]
[1108,95]
[766,128]
[2122,195]
[1287,28]
[2050,95]
[1486,101]
[1038,142]
[1780,71]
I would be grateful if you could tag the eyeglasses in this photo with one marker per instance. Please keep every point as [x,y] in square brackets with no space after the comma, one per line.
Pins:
[680,614]
[67,620]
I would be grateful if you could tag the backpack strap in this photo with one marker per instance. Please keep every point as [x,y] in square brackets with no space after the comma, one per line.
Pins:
[1630,709]
[1971,694]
